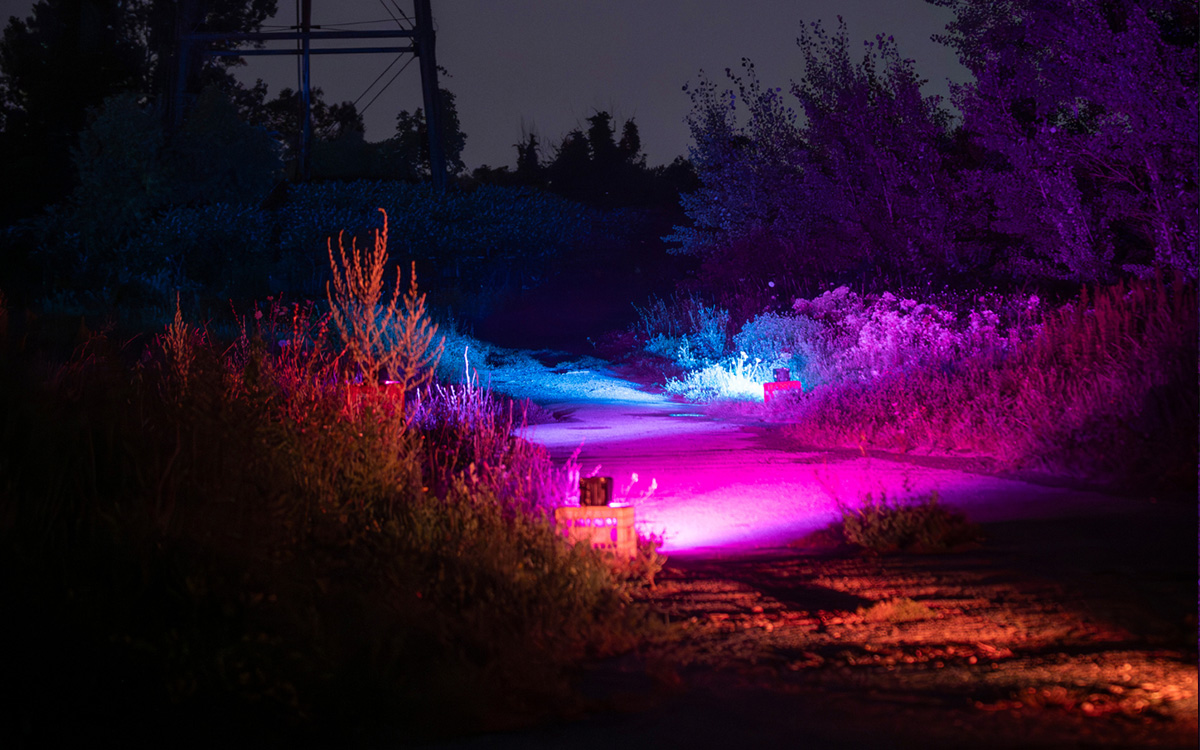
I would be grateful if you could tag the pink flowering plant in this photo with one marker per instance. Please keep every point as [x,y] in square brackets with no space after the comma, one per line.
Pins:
[866,338]
[1104,385]
[840,337]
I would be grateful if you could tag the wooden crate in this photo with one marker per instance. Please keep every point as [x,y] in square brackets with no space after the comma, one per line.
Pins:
[605,527]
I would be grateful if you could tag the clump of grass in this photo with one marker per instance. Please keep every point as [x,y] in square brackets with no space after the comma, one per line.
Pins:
[896,610]
[684,329]
[735,378]
[469,429]
[914,525]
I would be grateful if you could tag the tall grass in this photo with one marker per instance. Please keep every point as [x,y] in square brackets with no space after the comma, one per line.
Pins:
[684,328]
[735,378]
[191,529]
[1107,388]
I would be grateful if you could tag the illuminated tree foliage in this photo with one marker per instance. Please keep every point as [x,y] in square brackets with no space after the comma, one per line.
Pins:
[1086,111]
[855,184]
[1075,158]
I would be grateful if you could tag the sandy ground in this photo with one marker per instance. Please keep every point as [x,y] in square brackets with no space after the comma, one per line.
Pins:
[1072,625]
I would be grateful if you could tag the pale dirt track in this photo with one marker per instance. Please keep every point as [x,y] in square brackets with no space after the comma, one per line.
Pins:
[1072,625]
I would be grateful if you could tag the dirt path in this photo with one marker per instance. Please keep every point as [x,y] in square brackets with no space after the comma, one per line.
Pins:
[1073,625]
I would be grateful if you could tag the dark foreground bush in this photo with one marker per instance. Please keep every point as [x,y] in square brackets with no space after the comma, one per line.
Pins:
[923,525]
[206,544]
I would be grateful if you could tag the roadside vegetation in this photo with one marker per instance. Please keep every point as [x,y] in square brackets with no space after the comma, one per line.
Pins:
[1016,281]
[250,529]
[914,525]
[1102,386]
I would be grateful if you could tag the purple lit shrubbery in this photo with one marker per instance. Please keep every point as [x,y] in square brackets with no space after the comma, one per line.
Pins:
[1074,159]
[1073,163]
[862,339]
[1102,386]
[841,337]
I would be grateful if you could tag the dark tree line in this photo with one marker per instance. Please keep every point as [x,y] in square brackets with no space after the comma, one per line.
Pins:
[596,167]
[85,89]
[64,68]
[68,56]
[1074,157]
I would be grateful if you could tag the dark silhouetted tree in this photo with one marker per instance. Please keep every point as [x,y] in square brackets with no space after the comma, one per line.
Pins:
[568,173]
[630,147]
[529,161]
[854,184]
[600,137]
[339,148]
[408,150]
[66,57]
[595,168]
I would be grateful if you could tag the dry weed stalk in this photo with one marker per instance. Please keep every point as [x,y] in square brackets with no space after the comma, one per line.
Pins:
[179,344]
[413,358]
[380,339]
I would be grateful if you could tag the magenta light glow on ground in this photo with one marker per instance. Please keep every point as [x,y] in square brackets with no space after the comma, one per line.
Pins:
[720,487]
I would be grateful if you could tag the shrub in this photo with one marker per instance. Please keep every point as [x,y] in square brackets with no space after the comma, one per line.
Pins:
[122,172]
[839,338]
[779,340]
[473,246]
[381,339]
[224,248]
[925,525]
[217,158]
[1105,387]
[211,528]
[200,533]
[128,168]
[865,338]
[685,329]
[735,378]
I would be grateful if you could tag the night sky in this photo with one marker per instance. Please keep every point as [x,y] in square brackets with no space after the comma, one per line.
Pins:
[546,65]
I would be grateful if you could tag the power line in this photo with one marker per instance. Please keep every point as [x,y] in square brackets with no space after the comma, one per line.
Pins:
[400,10]
[389,12]
[389,83]
[329,128]
[381,75]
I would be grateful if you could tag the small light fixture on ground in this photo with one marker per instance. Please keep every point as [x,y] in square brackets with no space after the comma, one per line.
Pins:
[595,490]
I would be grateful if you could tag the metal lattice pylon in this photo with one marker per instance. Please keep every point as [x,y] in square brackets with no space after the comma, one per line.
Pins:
[193,44]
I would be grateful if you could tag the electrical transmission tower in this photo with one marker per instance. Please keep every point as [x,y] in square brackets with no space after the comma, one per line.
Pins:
[193,45]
